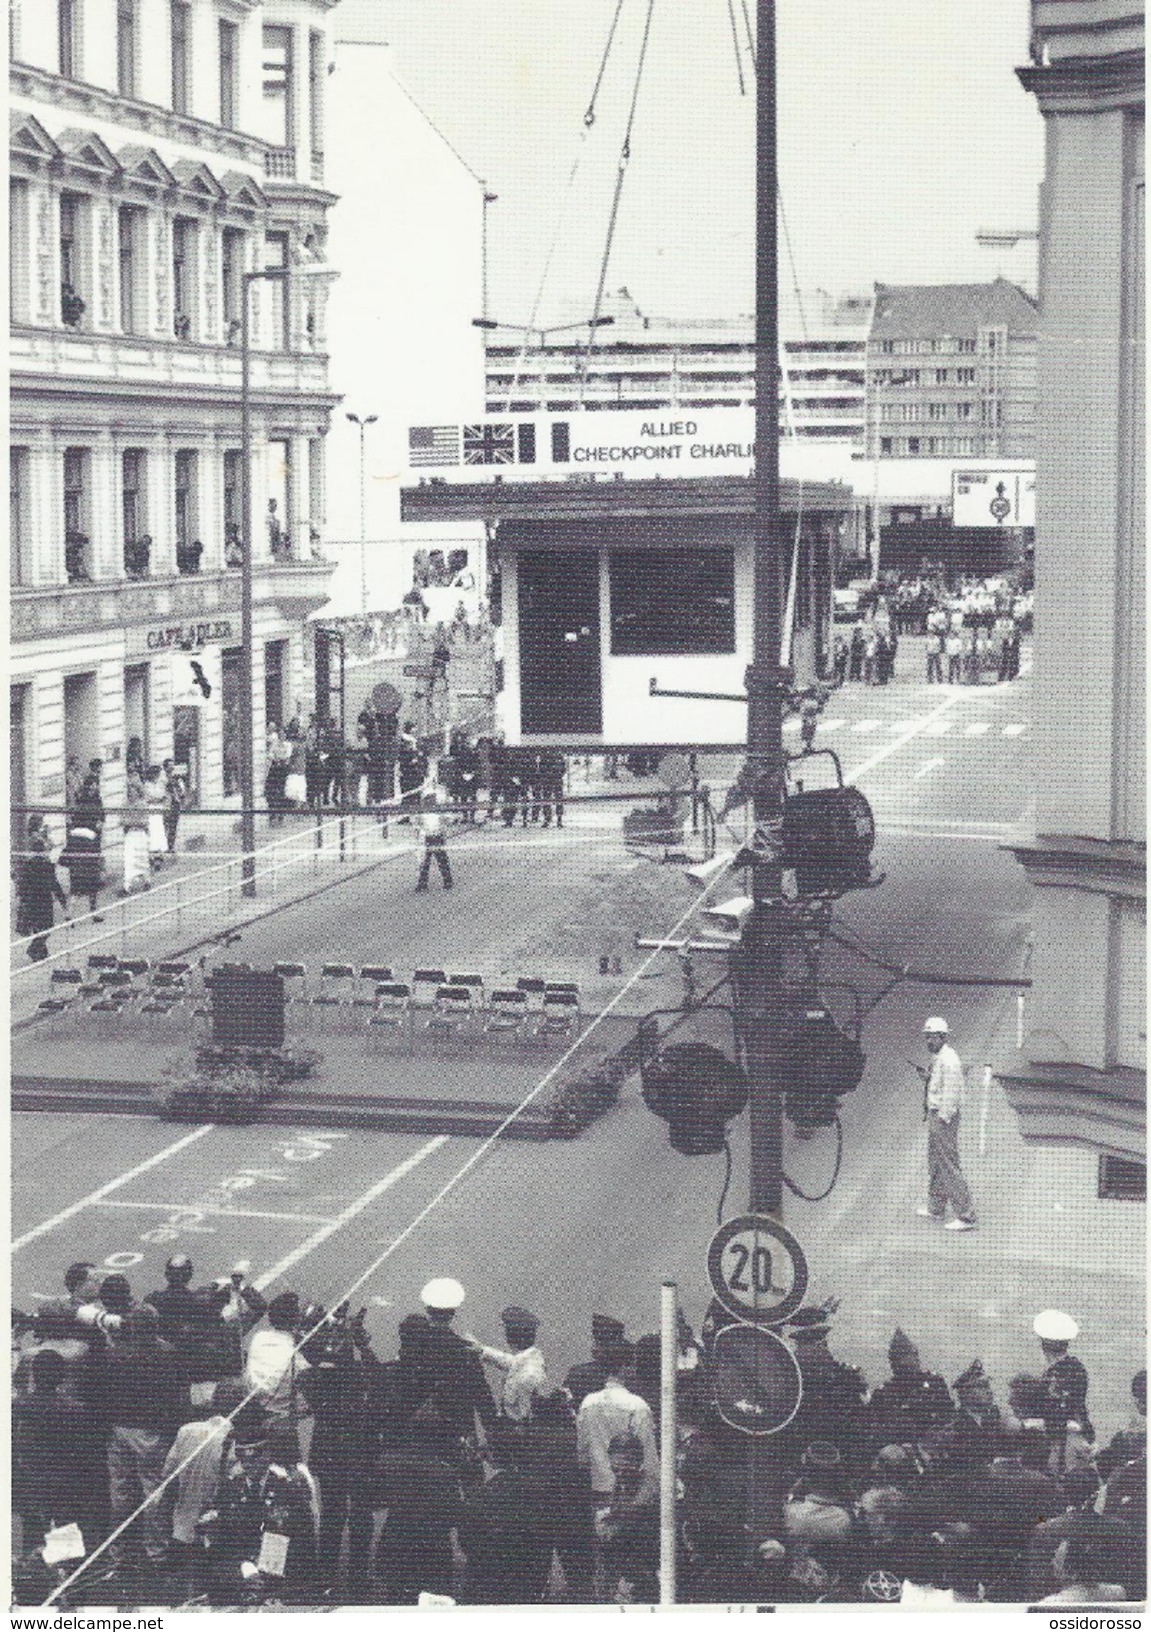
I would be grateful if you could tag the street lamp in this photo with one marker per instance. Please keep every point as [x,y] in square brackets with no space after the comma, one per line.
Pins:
[369,419]
[896,379]
[530,329]
[488,198]
[272,274]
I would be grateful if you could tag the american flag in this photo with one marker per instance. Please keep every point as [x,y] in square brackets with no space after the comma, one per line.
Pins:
[489,444]
[434,445]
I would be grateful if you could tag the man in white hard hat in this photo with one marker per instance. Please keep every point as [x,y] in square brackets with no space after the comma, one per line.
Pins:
[942,1101]
[1066,1377]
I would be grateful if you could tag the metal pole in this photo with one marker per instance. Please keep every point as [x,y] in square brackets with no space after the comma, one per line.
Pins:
[363,529]
[247,744]
[759,960]
[667,1442]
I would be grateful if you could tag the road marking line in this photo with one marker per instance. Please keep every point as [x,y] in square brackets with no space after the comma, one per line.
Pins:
[175,1207]
[900,725]
[113,1184]
[353,1210]
[928,766]
[938,728]
[1014,730]
[897,743]
[861,726]
[976,728]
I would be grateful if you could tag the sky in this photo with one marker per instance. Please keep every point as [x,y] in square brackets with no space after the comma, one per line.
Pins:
[903,131]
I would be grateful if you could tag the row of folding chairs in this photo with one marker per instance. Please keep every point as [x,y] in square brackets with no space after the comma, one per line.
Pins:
[117,990]
[349,996]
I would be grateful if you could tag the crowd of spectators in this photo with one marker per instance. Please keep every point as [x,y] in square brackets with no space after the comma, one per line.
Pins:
[202,1445]
[973,630]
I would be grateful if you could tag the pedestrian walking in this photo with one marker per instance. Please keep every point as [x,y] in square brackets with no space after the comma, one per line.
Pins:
[156,799]
[934,655]
[177,791]
[953,647]
[276,777]
[135,824]
[942,1102]
[37,888]
[435,848]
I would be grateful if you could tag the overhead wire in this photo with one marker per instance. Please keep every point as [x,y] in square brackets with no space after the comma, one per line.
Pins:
[738,47]
[397,1241]
[621,171]
[565,200]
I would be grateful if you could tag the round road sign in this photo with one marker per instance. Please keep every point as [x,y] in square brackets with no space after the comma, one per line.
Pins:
[385,699]
[755,1379]
[757,1269]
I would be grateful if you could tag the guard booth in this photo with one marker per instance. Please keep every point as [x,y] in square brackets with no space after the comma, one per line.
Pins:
[616,585]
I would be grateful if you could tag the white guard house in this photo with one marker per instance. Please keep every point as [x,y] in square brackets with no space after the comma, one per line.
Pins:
[624,549]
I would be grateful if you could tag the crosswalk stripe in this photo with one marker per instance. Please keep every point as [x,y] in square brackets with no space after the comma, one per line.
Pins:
[938,728]
[862,726]
[899,725]
[927,766]
[1016,729]
[976,728]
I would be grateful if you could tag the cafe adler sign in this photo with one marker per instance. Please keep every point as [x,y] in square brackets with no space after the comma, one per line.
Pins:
[183,637]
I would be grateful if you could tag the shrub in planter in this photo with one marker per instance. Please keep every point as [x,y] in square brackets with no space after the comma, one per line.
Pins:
[580,1101]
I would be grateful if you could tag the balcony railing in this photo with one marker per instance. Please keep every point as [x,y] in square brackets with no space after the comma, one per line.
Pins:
[317,164]
[281,162]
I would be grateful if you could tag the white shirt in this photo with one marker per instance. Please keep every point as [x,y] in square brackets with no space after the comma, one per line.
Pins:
[274,1367]
[945,1084]
[613,1410]
[196,1485]
[526,1377]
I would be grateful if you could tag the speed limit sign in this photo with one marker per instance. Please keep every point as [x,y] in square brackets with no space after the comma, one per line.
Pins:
[757,1269]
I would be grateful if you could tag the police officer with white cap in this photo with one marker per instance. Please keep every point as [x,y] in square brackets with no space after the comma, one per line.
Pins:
[451,1369]
[942,1100]
[1066,1377]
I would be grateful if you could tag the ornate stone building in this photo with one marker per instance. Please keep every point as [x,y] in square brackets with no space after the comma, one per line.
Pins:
[160,149]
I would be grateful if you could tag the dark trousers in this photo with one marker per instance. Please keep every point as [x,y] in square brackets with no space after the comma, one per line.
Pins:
[439,851]
[345,1499]
[171,823]
[935,667]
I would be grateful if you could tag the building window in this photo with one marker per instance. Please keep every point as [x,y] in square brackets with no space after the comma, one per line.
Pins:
[229,74]
[188,546]
[278,112]
[964,446]
[965,345]
[19,553]
[183,278]
[19,280]
[72,259]
[937,410]
[885,444]
[1121,1179]
[233,538]
[233,255]
[316,491]
[964,410]
[181,55]
[126,47]
[129,222]
[941,376]
[672,601]
[276,255]
[68,36]
[913,444]
[137,545]
[316,101]
[965,376]
[887,347]
[279,516]
[77,548]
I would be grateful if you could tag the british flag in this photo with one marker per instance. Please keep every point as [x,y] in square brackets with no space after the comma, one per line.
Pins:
[433,445]
[489,444]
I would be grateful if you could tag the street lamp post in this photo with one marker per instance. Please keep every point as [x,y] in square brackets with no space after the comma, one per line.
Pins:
[271,274]
[369,419]
[488,198]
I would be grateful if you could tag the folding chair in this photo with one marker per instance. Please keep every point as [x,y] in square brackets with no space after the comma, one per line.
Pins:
[116,992]
[451,1009]
[561,988]
[165,1003]
[507,1011]
[64,996]
[474,983]
[533,989]
[372,975]
[425,984]
[99,963]
[331,1004]
[392,1010]
[560,1012]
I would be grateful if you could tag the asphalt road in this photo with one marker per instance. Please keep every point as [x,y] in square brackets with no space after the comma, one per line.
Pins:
[594,1225]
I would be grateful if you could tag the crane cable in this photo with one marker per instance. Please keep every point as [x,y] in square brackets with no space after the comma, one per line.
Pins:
[561,219]
[625,155]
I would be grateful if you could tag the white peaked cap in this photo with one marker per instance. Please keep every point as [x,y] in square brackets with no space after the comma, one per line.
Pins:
[936,1023]
[1055,1326]
[442,1293]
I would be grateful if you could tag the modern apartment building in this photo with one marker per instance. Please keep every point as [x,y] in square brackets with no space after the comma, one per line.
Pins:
[160,150]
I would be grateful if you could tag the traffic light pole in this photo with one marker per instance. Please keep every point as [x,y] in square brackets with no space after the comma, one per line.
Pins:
[759,961]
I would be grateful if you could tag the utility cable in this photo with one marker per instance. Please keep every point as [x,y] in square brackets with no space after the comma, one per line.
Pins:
[397,1241]
[748,31]
[624,157]
[924,977]
[822,1194]
[561,219]
[726,1181]
[738,48]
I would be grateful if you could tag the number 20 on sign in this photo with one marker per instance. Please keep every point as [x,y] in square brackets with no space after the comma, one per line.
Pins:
[757,1269]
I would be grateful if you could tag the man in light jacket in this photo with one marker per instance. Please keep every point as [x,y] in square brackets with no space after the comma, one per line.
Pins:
[942,1102]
